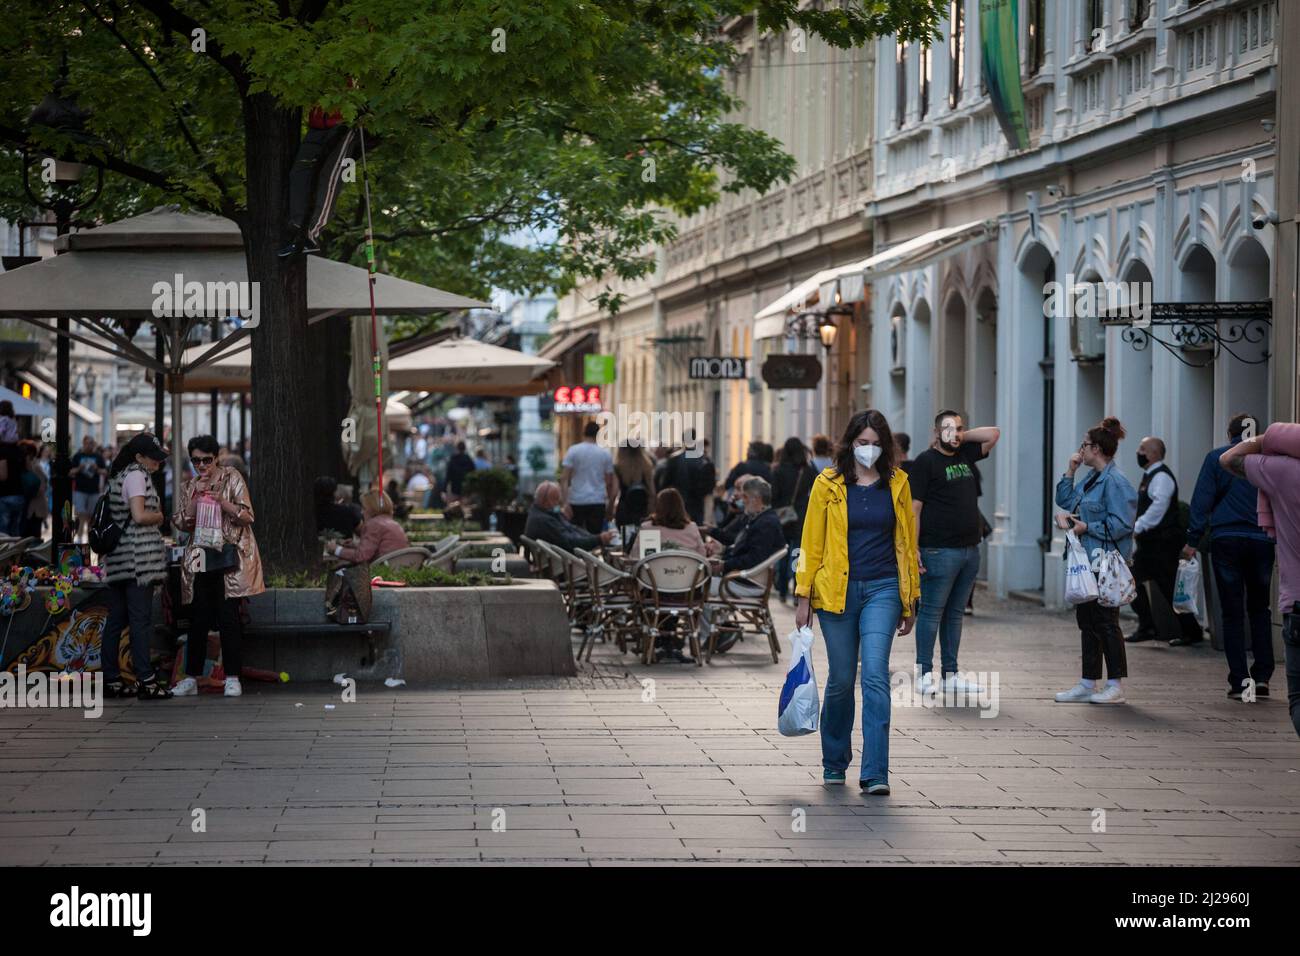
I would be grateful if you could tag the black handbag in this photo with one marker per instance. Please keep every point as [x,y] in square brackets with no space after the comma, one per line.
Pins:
[223,559]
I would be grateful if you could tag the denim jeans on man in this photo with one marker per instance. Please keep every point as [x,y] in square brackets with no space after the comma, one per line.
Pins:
[946,584]
[1243,572]
[872,610]
[133,604]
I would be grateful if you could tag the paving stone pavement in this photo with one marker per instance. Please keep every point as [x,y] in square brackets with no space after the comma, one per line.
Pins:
[590,771]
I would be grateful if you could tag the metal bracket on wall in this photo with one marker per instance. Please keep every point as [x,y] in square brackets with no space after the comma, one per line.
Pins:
[1207,328]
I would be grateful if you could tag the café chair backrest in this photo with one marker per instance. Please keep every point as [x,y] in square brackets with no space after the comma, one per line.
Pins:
[673,576]
[600,573]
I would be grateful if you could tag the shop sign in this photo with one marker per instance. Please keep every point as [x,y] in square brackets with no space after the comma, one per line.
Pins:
[597,369]
[577,400]
[792,371]
[717,367]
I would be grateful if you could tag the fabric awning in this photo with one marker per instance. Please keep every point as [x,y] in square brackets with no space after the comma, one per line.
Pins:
[916,253]
[564,342]
[50,392]
[469,367]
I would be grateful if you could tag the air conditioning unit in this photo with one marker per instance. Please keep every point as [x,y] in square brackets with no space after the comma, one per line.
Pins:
[1087,338]
[897,345]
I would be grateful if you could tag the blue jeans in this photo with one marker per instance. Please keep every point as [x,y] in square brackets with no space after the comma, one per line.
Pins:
[871,613]
[946,585]
[1243,571]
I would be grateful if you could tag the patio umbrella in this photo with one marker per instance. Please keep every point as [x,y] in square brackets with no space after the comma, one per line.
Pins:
[469,367]
[108,275]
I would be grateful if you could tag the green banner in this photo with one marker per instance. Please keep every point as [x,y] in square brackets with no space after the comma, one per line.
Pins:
[597,369]
[1000,63]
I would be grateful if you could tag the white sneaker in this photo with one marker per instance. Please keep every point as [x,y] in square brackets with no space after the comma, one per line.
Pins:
[1111,694]
[233,688]
[925,684]
[1080,693]
[187,687]
[955,686]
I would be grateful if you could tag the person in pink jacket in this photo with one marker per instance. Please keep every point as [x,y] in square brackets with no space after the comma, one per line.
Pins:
[380,533]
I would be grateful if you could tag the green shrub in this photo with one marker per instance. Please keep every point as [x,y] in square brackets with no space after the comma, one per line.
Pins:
[491,486]
[437,578]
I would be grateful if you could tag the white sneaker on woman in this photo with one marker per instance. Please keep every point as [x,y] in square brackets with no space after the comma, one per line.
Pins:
[187,687]
[233,688]
[925,684]
[1080,693]
[954,685]
[1110,694]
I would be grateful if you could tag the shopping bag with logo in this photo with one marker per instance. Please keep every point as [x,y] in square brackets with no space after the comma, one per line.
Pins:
[1115,584]
[207,523]
[1188,595]
[798,709]
[1080,584]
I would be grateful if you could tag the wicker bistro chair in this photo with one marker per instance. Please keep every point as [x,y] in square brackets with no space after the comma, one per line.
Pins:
[412,557]
[670,585]
[613,606]
[745,610]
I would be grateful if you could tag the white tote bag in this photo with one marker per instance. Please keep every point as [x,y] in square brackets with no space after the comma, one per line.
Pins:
[1189,597]
[798,708]
[1115,584]
[1080,584]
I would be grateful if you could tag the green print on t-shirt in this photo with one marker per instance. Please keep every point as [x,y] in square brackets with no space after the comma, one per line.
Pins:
[957,471]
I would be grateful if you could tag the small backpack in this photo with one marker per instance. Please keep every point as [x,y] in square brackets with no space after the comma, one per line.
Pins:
[105,533]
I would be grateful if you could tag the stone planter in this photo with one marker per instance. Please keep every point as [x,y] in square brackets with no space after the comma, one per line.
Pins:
[515,630]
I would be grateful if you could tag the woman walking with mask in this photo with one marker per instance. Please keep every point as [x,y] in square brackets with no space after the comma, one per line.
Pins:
[1101,511]
[858,567]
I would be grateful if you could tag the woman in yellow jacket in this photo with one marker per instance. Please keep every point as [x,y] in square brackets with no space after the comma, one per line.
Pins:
[858,567]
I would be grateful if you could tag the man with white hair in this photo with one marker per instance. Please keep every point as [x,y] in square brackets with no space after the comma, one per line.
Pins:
[546,522]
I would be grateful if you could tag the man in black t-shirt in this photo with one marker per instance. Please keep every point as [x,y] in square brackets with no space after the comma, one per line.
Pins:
[88,468]
[945,500]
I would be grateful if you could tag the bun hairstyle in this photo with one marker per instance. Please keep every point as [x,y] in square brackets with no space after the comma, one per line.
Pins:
[1107,435]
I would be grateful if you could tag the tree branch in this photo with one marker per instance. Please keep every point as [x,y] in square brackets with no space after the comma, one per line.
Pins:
[173,20]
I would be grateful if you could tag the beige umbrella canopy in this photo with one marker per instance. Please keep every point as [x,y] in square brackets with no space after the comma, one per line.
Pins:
[113,273]
[469,367]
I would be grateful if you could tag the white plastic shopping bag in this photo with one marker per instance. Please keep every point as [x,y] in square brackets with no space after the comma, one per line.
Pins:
[1115,584]
[1189,598]
[798,709]
[1080,584]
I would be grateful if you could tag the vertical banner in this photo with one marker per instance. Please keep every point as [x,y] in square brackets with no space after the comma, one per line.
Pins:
[1000,63]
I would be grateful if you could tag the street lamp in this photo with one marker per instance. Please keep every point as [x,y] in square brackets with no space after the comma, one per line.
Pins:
[62,115]
[826,330]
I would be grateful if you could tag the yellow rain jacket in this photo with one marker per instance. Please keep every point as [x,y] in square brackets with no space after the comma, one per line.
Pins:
[822,570]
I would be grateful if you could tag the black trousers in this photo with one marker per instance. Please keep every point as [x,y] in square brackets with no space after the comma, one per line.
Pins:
[314,178]
[1101,638]
[1159,565]
[590,518]
[210,610]
[1291,646]
[128,604]
[1243,571]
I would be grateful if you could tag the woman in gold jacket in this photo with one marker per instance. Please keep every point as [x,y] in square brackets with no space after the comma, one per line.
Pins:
[858,567]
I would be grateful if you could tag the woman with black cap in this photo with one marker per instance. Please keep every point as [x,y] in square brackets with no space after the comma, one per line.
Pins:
[134,567]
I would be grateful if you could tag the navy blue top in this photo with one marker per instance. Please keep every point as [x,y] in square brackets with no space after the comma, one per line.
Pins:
[1225,502]
[871,532]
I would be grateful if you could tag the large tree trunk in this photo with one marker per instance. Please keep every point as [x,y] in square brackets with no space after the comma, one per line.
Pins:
[284,442]
[331,347]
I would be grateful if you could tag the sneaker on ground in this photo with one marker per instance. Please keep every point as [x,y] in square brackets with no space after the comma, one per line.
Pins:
[187,687]
[233,687]
[832,776]
[925,684]
[1110,694]
[875,789]
[954,684]
[1261,690]
[1078,694]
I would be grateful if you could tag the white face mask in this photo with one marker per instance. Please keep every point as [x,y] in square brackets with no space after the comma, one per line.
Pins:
[867,455]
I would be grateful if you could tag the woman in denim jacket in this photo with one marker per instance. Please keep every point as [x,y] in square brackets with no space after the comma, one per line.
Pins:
[1101,511]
